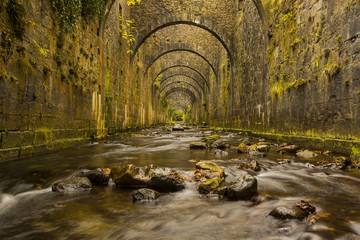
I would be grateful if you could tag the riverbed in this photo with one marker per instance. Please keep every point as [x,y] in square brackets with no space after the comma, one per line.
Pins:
[30,210]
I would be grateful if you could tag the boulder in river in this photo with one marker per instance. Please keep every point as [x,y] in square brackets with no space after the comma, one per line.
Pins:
[144,194]
[249,164]
[243,148]
[263,148]
[209,185]
[132,176]
[243,189]
[218,144]
[72,185]
[288,212]
[289,149]
[208,170]
[298,211]
[211,139]
[166,183]
[98,176]
[198,145]
[178,127]
[306,154]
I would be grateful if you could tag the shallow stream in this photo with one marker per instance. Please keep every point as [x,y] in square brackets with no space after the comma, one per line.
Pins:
[30,210]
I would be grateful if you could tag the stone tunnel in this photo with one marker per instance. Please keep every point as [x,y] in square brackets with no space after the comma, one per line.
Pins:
[274,67]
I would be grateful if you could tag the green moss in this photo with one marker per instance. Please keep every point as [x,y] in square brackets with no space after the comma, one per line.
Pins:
[71,12]
[4,76]
[355,151]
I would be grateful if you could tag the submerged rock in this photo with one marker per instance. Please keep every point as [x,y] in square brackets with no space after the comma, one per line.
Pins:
[72,185]
[144,194]
[209,185]
[165,183]
[243,189]
[97,177]
[198,145]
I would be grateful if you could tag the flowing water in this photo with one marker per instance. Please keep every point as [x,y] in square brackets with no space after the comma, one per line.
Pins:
[30,210]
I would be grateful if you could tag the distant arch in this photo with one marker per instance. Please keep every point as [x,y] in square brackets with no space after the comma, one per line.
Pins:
[183,66]
[181,50]
[186,83]
[184,75]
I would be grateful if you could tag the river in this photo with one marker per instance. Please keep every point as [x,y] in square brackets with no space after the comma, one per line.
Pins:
[30,210]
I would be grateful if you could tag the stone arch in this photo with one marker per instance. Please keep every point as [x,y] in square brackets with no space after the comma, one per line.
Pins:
[182,50]
[183,83]
[184,90]
[169,78]
[187,67]
[210,27]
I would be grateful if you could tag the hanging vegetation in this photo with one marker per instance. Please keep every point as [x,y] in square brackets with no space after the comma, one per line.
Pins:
[70,12]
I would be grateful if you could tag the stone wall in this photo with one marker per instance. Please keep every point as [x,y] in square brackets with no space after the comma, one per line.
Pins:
[51,90]
[310,85]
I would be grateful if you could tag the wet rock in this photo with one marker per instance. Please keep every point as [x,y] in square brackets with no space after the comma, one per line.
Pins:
[288,212]
[263,148]
[243,148]
[198,145]
[72,185]
[220,153]
[209,185]
[341,163]
[298,211]
[289,149]
[165,183]
[97,177]
[218,144]
[210,140]
[132,176]
[243,189]
[178,127]
[210,169]
[144,194]
[249,164]
[306,154]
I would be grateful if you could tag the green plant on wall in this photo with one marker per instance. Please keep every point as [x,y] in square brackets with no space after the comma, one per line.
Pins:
[71,12]
[133,2]
[126,30]
[42,50]
[157,81]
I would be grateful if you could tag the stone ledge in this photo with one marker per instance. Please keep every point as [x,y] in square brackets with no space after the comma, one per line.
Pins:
[342,146]
[9,154]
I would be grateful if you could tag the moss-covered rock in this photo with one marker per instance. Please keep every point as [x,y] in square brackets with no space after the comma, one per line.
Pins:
[198,145]
[212,169]
[209,185]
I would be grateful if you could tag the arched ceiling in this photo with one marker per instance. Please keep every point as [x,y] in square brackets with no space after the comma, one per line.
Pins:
[183,47]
